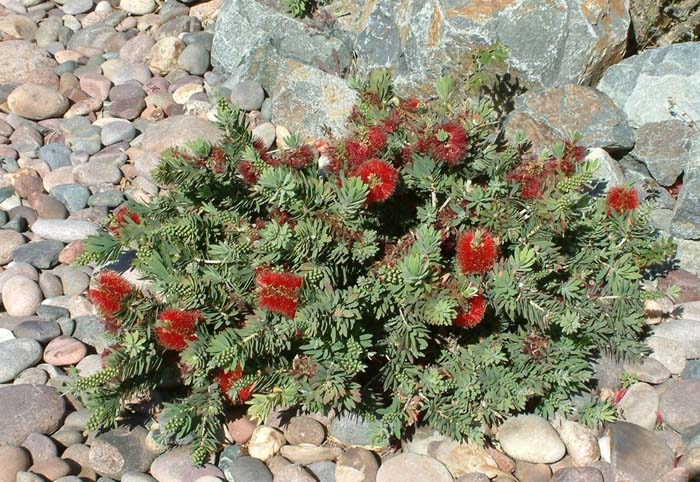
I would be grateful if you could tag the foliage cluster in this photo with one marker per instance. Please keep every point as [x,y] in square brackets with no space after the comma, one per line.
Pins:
[303,8]
[412,271]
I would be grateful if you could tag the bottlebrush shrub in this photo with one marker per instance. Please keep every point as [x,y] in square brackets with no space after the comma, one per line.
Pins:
[423,274]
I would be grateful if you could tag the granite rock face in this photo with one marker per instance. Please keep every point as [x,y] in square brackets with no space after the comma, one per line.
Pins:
[549,43]
[546,115]
[642,84]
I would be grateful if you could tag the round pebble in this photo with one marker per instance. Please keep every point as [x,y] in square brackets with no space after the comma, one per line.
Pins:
[413,468]
[304,430]
[248,95]
[64,350]
[138,7]
[21,296]
[531,438]
[37,102]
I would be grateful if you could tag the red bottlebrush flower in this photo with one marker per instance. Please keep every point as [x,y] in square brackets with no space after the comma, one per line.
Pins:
[381,178]
[476,252]
[282,217]
[411,104]
[176,328]
[449,142]
[355,152]
[172,340]
[227,379]
[392,122]
[264,156]
[179,320]
[302,156]
[376,138]
[621,199]
[575,152]
[246,170]
[217,159]
[111,291]
[279,292]
[473,315]
[122,217]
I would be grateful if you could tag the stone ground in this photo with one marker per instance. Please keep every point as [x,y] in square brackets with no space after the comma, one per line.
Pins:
[91,93]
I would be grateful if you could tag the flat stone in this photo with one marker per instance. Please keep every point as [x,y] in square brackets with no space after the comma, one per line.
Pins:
[323,471]
[462,458]
[637,454]
[164,54]
[547,115]
[137,49]
[93,173]
[73,196]
[684,333]
[265,442]
[356,465]
[115,132]
[649,370]
[177,131]
[319,99]
[642,84]
[581,445]
[665,148]
[685,223]
[350,429]
[305,454]
[95,85]
[668,352]
[64,230]
[121,72]
[134,476]
[18,26]
[9,241]
[40,254]
[194,59]
[21,296]
[293,473]
[640,405]
[37,102]
[688,283]
[247,95]
[531,438]
[25,62]
[55,155]
[27,186]
[121,450]
[17,355]
[110,199]
[48,207]
[64,350]
[41,331]
[413,468]
[578,474]
[247,469]
[75,7]
[692,370]
[679,404]
[40,447]
[526,471]
[172,465]
[306,430]
[35,408]
[138,7]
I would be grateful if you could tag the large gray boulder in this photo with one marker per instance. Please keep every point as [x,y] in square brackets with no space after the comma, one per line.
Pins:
[549,43]
[547,115]
[642,85]
[249,31]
